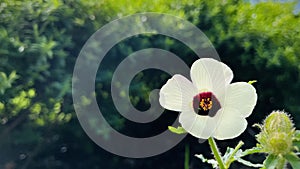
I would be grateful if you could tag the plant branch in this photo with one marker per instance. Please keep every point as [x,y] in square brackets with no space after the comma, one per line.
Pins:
[231,157]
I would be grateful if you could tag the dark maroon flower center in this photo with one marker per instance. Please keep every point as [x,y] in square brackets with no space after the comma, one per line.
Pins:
[206,104]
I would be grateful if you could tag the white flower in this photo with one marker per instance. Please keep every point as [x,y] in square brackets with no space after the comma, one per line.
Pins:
[210,106]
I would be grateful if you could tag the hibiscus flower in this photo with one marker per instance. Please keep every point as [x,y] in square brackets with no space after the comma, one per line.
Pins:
[210,105]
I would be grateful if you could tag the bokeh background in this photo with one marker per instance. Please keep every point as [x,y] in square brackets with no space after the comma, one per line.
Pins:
[41,39]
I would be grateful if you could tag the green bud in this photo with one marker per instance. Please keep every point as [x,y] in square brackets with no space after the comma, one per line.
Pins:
[279,143]
[278,121]
[276,136]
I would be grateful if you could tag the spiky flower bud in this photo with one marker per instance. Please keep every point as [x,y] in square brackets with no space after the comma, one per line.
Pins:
[276,136]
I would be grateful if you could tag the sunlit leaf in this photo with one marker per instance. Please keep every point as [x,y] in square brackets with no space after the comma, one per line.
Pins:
[252,81]
[178,130]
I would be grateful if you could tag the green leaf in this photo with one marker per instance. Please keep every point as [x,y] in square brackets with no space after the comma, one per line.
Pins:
[293,159]
[6,82]
[297,145]
[13,76]
[231,153]
[271,161]
[252,81]
[228,154]
[213,162]
[248,163]
[239,154]
[251,151]
[297,135]
[178,130]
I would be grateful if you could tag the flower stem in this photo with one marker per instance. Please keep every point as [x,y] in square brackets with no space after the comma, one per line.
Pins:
[187,157]
[214,149]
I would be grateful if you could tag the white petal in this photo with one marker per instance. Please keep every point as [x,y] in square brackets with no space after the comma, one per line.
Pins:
[199,126]
[242,97]
[229,124]
[212,75]
[227,73]
[177,93]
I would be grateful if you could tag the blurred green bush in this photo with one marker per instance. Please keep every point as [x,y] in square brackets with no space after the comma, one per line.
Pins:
[40,41]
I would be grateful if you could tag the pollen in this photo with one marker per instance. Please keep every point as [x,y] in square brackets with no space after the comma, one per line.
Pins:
[205,104]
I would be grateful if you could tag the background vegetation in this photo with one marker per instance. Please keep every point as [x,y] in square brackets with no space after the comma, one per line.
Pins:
[39,43]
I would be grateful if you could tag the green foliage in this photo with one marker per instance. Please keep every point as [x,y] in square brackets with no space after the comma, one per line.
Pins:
[40,41]
[6,82]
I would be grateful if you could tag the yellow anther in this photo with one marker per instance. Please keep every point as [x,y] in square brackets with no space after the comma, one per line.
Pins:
[206,104]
